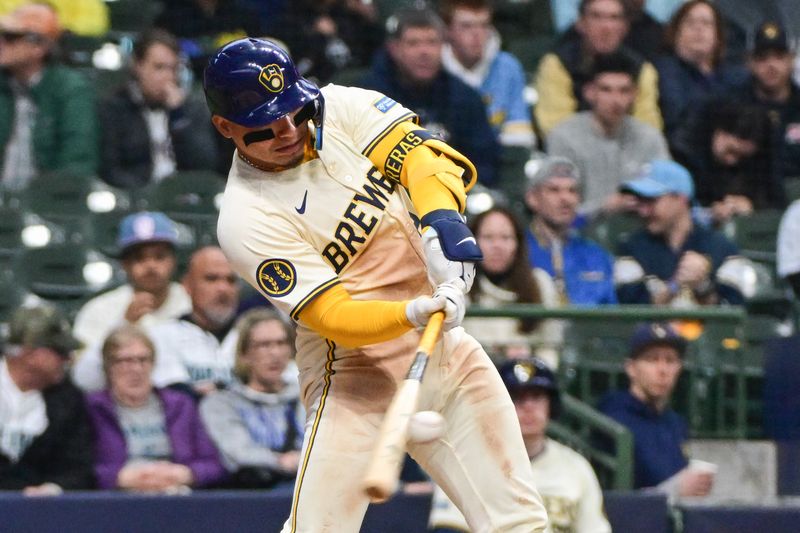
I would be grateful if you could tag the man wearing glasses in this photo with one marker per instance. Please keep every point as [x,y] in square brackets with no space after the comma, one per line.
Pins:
[47,116]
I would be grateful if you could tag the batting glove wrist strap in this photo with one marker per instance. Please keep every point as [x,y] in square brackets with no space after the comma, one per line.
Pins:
[456,240]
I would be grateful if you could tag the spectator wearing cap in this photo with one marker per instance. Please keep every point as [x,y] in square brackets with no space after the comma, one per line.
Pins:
[45,436]
[564,478]
[771,88]
[154,125]
[673,260]
[581,269]
[653,365]
[146,439]
[410,71]
[607,144]
[47,113]
[146,244]
[195,349]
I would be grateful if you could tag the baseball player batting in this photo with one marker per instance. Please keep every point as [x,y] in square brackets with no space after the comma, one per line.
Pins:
[322,212]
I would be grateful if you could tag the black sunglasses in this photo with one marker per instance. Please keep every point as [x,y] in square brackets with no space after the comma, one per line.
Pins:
[12,37]
[305,114]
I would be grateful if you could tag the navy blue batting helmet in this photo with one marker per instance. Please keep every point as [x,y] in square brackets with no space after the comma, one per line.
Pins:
[253,82]
[525,374]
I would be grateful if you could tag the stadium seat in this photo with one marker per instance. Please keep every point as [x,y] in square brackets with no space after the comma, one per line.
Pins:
[133,15]
[609,231]
[756,234]
[529,50]
[190,198]
[11,296]
[66,273]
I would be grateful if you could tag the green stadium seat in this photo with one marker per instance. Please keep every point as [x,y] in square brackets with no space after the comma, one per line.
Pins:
[792,187]
[66,272]
[756,234]
[609,231]
[11,296]
[529,50]
[133,15]
[350,77]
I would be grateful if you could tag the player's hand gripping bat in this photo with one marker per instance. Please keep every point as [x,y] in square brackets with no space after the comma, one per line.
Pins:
[381,478]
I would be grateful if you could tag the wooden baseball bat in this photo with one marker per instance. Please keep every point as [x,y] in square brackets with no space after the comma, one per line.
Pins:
[380,480]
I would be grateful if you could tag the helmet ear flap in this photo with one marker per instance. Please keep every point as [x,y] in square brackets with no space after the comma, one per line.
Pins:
[318,120]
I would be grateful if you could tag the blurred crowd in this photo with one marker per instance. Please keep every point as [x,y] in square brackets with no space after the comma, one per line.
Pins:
[676,119]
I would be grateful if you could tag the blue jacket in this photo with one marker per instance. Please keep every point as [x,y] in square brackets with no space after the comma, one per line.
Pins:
[657,437]
[588,269]
[448,107]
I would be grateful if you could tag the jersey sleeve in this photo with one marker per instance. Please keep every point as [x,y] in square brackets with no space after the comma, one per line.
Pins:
[365,116]
[270,254]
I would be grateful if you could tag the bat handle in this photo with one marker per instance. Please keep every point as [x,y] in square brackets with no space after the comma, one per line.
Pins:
[431,332]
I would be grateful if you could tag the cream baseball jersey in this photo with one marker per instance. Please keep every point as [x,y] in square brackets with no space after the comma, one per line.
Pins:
[567,484]
[308,227]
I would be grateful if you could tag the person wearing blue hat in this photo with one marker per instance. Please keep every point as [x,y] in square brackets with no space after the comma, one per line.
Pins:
[672,260]
[564,478]
[146,248]
[654,363]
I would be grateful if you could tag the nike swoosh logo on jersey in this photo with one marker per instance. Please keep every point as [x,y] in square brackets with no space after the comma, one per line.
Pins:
[467,239]
[302,208]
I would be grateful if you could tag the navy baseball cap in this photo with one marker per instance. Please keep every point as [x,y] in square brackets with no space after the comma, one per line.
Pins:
[145,227]
[656,333]
[661,177]
[769,35]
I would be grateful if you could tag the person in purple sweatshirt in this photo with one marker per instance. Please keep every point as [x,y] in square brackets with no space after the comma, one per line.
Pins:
[146,439]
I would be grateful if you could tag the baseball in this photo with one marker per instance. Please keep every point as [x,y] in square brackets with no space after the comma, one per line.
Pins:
[425,426]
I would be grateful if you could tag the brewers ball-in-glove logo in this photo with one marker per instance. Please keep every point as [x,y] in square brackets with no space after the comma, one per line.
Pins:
[271,77]
[277,277]
[524,371]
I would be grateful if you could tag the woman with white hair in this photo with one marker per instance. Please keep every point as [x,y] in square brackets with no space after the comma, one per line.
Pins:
[257,423]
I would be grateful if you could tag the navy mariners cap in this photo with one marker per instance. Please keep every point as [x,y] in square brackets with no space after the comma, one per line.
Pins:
[661,177]
[145,227]
[656,333]
[770,35]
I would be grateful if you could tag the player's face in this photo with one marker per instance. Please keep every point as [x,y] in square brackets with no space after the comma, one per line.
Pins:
[603,26]
[533,411]
[468,34]
[150,267]
[772,70]
[212,285]
[283,147]
[129,370]
[498,243]
[696,38]
[156,72]
[418,54]
[611,96]
[555,201]
[268,352]
[654,372]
